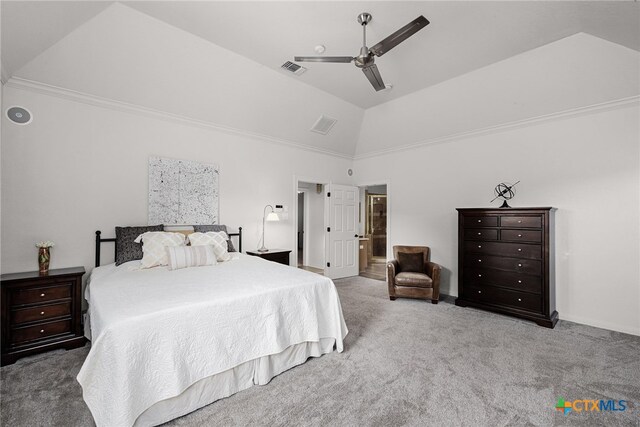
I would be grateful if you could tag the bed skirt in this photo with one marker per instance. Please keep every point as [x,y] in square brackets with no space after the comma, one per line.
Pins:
[258,371]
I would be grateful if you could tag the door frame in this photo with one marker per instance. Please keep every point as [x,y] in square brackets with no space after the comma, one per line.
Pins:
[297,179]
[386,182]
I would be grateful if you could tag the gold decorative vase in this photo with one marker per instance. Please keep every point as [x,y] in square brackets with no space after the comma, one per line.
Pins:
[44,256]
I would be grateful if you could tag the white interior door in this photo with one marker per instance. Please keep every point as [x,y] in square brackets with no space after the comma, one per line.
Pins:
[342,250]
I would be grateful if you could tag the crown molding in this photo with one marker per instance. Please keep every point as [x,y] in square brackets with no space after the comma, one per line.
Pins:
[112,104]
[574,112]
[94,100]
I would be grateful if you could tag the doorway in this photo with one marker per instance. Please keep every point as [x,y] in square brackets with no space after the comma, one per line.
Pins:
[310,228]
[373,229]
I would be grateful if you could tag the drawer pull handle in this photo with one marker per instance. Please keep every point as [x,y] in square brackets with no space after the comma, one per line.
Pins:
[519,250]
[519,221]
[479,234]
[479,260]
[519,265]
[42,331]
[479,220]
[479,292]
[479,246]
[520,299]
[519,235]
[42,313]
[519,281]
[42,294]
[479,275]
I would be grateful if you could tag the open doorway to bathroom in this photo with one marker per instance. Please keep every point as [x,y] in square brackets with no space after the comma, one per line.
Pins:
[373,231]
[310,224]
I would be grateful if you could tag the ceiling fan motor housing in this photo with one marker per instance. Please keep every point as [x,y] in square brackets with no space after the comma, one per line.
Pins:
[364,18]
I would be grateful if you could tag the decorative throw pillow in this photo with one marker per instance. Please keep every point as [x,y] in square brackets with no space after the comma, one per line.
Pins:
[154,243]
[411,262]
[190,256]
[217,239]
[126,248]
[216,227]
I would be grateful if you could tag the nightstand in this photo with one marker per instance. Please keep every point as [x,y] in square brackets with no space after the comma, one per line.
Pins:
[276,255]
[41,312]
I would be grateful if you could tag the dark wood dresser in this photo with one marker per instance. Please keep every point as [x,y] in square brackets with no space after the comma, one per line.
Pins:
[506,262]
[276,255]
[41,312]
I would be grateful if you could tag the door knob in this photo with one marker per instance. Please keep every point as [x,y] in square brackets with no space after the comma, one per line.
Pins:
[355,236]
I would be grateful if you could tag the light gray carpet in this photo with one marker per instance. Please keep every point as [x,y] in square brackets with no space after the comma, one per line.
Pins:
[406,362]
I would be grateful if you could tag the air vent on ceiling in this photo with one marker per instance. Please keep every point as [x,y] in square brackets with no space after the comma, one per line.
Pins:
[294,68]
[323,125]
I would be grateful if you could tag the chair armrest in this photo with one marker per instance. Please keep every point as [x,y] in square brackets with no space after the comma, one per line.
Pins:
[392,267]
[433,270]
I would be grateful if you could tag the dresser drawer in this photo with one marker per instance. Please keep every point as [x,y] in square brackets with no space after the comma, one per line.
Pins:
[481,234]
[38,295]
[505,297]
[43,312]
[516,250]
[521,221]
[527,266]
[484,277]
[521,235]
[40,331]
[480,221]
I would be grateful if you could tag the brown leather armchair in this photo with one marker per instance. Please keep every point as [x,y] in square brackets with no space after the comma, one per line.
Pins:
[404,279]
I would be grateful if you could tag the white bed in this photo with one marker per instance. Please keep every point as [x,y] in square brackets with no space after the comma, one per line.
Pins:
[165,343]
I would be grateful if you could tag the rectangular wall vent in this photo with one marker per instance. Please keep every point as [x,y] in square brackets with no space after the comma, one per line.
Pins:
[323,125]
[294,68]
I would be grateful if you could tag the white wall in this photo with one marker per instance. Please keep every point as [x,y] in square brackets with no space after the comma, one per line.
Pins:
[128,56]
[78,168]
[585,166]
[569,74]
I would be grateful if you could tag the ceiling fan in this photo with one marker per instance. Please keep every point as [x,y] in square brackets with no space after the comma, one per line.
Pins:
[366,58]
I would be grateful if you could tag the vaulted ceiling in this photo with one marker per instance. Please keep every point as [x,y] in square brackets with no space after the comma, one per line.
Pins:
[219,62]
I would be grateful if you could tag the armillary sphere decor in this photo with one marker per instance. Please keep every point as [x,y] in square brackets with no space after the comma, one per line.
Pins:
[504,191]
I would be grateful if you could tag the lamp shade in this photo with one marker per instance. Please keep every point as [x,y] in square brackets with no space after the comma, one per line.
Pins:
[272,216]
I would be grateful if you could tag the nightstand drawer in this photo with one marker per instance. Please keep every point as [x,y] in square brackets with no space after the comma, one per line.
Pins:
[39,295]
[39,313]
[40,331]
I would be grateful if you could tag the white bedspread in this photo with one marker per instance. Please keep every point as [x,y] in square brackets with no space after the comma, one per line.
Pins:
[155,332]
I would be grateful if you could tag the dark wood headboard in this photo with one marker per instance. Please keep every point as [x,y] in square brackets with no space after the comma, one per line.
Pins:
[100,240]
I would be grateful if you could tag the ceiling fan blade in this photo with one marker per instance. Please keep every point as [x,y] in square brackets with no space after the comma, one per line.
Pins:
[374,77]
[399,36]
[344,59]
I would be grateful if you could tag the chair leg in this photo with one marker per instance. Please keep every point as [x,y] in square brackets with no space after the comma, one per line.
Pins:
[392,298]
[434,301]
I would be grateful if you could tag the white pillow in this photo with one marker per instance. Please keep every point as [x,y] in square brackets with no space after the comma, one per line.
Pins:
[190,256]
[217,239]
[154,244]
